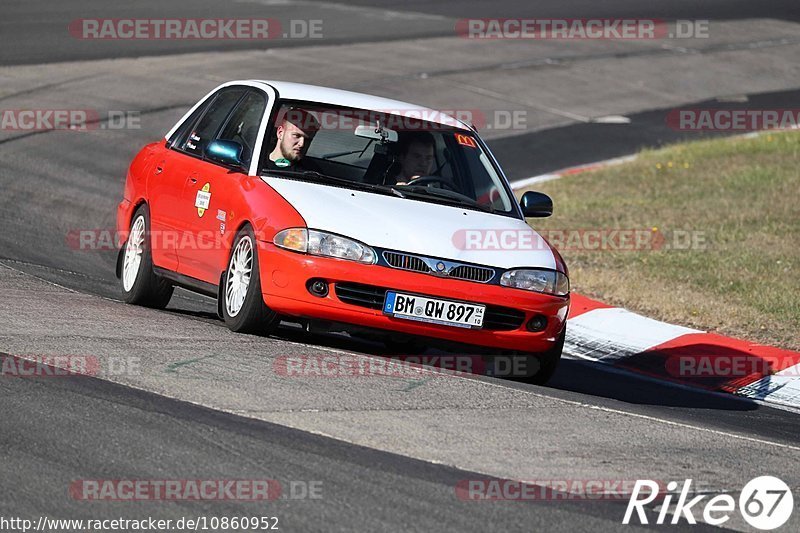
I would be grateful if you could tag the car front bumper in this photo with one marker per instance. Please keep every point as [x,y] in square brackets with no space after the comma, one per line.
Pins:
[285,276]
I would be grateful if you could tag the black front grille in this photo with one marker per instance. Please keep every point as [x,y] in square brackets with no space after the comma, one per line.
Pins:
[502,318]
[472,273]
[406,262]
[362,295]
[496,318]
[414,263]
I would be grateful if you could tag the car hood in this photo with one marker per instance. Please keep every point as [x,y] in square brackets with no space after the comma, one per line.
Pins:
[417,227]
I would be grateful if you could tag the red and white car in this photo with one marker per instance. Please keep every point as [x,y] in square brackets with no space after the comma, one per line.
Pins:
[290,200]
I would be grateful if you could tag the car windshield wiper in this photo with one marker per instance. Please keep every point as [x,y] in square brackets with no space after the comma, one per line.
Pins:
[444,194]
[318,177]
[341,154]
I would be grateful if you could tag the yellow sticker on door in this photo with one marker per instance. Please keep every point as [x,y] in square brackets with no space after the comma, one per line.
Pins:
[202,199]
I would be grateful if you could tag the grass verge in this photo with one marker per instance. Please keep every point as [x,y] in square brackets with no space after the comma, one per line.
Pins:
[725,254]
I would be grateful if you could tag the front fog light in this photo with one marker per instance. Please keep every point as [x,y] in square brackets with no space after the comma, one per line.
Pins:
[537,323]
[317,287]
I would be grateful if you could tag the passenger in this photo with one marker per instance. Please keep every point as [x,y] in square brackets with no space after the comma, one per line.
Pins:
[294,136]
[415,157]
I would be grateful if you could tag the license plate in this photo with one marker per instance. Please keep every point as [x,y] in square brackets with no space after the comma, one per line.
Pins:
[433,310]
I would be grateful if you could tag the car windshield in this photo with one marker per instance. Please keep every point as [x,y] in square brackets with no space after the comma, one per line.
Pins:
[412,158]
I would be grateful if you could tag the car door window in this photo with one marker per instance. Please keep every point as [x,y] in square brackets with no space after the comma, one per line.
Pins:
[242,127]
[197,137]
[179,137]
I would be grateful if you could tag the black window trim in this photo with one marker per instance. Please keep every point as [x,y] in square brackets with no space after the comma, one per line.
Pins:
[226,121]
[211,100]
[181,130]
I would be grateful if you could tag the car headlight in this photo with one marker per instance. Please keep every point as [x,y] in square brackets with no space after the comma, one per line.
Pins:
[546,281]
[325,244]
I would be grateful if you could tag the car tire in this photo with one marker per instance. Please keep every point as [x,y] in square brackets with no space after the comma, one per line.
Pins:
[243,307]
[548,362]
[140,284]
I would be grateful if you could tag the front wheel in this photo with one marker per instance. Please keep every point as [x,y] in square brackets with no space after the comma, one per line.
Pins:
[548,362]
[140,285]
[243,307]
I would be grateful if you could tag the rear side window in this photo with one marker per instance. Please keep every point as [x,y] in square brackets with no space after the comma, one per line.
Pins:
[242,127]
[197,137]
[179,135]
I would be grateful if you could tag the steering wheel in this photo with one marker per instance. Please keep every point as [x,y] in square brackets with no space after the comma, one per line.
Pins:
[425,180]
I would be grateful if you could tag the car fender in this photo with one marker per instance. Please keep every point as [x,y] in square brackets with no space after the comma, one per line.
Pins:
[259,205]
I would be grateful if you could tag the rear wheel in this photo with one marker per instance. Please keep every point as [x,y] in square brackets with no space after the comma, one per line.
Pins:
[140,285]
[243,307]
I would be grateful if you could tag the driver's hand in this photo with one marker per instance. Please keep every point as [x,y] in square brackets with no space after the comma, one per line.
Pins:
[407,181]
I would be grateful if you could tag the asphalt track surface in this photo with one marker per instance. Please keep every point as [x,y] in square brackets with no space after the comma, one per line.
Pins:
[54,431]
[39,35]
[361,489]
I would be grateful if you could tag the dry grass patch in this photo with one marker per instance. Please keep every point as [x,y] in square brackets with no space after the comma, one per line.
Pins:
[740,196]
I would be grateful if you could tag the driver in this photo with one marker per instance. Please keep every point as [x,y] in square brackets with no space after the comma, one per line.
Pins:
[416,157]
[294,136]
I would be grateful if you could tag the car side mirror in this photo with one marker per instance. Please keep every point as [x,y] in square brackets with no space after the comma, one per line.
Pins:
[226,152]
[536,204]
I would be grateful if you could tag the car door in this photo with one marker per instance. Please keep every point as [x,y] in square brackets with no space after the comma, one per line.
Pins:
[214,190]
[180,170]
[164,186]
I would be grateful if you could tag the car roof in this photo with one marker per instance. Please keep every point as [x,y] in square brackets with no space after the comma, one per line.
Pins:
[328,95]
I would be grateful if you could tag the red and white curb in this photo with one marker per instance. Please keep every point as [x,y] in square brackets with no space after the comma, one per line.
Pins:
[626,340]
[629,341]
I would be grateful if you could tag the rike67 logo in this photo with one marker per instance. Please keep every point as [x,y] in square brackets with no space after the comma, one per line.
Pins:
[765,503]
